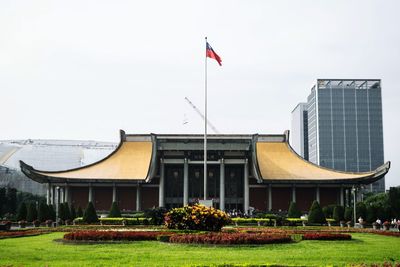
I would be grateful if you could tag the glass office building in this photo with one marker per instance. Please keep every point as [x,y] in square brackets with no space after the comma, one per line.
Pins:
[344,119]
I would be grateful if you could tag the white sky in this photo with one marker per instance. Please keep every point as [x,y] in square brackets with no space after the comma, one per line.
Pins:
[85,69]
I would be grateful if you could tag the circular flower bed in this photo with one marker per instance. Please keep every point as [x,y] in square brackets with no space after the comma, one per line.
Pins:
[230,238]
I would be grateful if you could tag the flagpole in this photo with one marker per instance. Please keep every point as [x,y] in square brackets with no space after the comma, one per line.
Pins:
[205,128]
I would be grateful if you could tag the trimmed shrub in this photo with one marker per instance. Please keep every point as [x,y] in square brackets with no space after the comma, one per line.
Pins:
[52,213]
[316,215]
[79,212]
[197,217]
[328,211]
[73,213]
[32,212]
[294,212]
[61,212]
[372,213]
[22,212]
[90,215]
[348,214]
[43,212]
[338,213]
[361,210]
[114,211]
[229,239]
[326,236]
[67,212]
[156,215]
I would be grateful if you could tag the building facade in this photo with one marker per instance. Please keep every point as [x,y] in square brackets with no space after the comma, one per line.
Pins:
[299,134]
[244,172]
[345,129]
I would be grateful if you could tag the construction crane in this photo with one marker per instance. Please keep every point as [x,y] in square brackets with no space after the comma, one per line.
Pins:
[202,116]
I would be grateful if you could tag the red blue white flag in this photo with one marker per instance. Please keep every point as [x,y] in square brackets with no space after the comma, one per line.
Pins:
[211,54]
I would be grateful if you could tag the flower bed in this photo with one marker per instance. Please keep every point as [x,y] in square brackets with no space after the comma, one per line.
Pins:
[326,236]
[230,238]
[113,235]
[118,221]
[20,233]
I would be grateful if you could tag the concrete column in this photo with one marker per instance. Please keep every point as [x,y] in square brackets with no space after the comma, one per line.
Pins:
[341,196]
[90,193]
[185,183]
[114,193]
[222,185]
[53,196]
[48,196]
[138,198]
[317,198]
[161,187]
[246,187]
[293,193]
[58,203]
[269,197]
[61,195]
[66,194]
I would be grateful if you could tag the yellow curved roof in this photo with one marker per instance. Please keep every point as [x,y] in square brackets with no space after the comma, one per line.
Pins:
[277,161]
[131,161]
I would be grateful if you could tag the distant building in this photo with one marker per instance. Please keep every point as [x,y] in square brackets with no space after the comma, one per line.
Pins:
[344,126]
[299,135]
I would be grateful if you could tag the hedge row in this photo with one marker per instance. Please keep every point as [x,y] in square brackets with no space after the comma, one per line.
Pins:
[229,238]
[326,236]
[118,221]
[19,233]
[113,235]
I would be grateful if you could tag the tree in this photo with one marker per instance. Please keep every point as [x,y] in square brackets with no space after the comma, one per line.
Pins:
[43,212]
[372,213]
[67,212]
[61,212]
[348,214]
[394,202]
[12,200]
[3,199]
[32,212]
[293,212]
[73,212]
[52,213]
[316,215]
[338,213]
[79,213]
[22,212]
[90,215]
[114,211]
[361,210]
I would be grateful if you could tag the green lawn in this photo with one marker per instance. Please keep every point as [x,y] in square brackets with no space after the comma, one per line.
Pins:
[43,251]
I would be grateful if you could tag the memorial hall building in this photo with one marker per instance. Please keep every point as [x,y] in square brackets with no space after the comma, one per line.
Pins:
[244,172]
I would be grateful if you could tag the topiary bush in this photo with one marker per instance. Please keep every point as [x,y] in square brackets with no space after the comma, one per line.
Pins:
[328,211]
[338,213]
[73,212]
[79,212]
[196,217]
[43,212]
[90,215]
[114,211]
[156,215]
[22,212]
[32,212]
[348,214]
[293,212]
[316,215]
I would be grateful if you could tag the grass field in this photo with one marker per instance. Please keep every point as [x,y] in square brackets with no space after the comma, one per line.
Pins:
[43,251]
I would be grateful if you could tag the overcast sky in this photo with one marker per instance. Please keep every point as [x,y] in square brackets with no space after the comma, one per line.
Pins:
[85,69]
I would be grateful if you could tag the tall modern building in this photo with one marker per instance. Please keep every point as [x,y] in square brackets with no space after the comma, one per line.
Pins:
[343,131]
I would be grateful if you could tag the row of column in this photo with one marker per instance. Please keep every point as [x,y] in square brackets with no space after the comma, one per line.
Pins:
[221,187]
[61,194]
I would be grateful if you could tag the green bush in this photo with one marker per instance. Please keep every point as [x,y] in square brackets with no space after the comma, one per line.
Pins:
[67,211]
[32,212]
[348,214]
[328,211]
[372,213]
[316,215]
[61,212]
[156,215]
[294,212]
[79,212]
[73,212]
[338,213]
[22,212]
[90,215]
[197,217]
[43,212]
[114,211]
[52,213]
[361,210]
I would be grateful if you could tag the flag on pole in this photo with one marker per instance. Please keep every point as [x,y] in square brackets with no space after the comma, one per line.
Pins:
[211,54]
